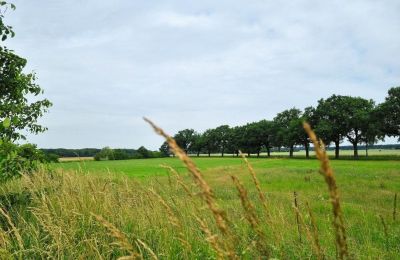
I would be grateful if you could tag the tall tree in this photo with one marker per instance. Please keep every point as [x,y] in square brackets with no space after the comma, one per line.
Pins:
[266,134]
[17,111]
[332,120]
[358,119]
[210,141]
[198,144]
[287,123]
[222,137]
[390,113]
[185,139]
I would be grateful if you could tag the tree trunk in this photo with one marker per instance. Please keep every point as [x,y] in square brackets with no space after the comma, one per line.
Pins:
[291,151]
[248,154]
[237,153]
[307,148]
[198,153]
[222,153]
[269,152]
[209,154]
[258,153]
[366,149]
[355,147]
[336,149]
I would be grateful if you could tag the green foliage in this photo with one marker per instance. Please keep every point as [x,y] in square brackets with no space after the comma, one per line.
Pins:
[16,160]
[16,111]
[164,150]
[185,139]
[389,113]
[105,154]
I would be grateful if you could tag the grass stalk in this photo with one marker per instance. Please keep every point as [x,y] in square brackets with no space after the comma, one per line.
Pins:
[328,174]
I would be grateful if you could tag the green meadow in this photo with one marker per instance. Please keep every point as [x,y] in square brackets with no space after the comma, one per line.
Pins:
[136,209]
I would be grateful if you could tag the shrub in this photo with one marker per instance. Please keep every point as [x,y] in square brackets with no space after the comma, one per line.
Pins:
[18,159]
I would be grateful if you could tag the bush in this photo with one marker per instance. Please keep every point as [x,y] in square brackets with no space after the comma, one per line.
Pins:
[16,160]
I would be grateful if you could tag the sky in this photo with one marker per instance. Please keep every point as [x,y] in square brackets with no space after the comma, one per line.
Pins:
[197,64]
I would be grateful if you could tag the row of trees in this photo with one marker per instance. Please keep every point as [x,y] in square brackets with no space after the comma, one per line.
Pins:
[335,119]
[124,154]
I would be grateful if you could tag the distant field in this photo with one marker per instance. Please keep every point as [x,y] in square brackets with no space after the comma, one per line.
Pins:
[74,159]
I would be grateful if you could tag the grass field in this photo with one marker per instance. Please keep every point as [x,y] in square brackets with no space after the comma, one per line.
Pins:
[110,209]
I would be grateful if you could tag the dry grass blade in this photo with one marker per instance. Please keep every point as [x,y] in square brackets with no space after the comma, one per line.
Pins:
[122,240]
[255,181]
[329,177]
[14,229]
[171,215]
[251,216]
[179,179]
[315,235]
[148,249]
[315,245]
[211,238]
[208,194]
[296,205]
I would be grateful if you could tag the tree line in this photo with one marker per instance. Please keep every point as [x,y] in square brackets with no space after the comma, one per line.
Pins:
[335,119]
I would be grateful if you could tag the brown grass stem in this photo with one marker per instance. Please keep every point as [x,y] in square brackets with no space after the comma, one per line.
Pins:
[327,173]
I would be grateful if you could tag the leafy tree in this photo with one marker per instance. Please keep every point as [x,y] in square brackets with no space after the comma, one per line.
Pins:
[237,139]
[287,123]
[389,112]
[210,141]
[17,112]
[332,120]
[198,144]
[222,136]
[358,119]
[185,139]
[105,154]
[144,153]
[373,129]
[265,134]
[165,150]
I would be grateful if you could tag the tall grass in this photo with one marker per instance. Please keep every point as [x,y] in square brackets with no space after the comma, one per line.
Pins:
[203,215]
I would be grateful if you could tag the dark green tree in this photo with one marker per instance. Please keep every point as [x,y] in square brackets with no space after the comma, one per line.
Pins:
[358,113]
[223,137]
[185,139]
[210,141]
[389,112]
[332,120]
[287,123]
[165,150]
[198,144]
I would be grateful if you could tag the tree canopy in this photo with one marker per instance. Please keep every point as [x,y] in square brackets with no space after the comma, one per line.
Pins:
[20,103]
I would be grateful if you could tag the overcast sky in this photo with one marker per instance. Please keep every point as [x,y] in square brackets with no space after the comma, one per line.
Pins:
[197,64]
